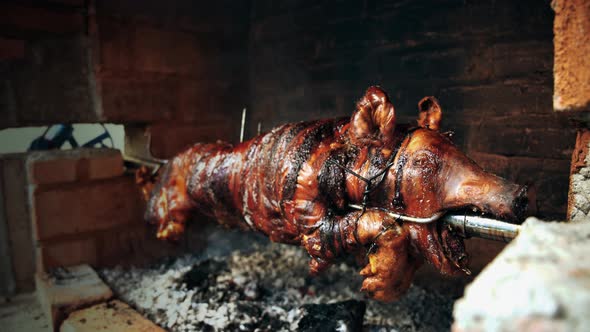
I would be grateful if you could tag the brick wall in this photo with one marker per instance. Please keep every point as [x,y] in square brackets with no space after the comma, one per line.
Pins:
[63,208]
[572,93]
[180,68]
[84,209]
[488,62]
[44,63]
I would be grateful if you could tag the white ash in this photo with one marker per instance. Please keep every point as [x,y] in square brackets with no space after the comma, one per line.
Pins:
[262,290]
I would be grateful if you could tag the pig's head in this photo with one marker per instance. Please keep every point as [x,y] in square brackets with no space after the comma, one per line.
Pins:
[431,175]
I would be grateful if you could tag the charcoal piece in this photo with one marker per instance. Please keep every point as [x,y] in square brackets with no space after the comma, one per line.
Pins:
[203,274]
[339,316]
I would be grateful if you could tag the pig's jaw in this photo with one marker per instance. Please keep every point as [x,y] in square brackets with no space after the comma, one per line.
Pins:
[440,247]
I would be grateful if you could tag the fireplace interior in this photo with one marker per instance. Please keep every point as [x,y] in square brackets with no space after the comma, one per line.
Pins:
[512,79]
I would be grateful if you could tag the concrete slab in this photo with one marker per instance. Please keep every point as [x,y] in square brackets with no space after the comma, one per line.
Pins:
[540,282]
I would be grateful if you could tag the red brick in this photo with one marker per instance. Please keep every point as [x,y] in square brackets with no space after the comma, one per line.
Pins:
[571,67]
[63,166]
[105,167]
[52,170]
[86,206]
[65,253]
[11,49]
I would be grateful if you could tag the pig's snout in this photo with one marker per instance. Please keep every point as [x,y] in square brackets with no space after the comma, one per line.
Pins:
[509,203]
[495,196]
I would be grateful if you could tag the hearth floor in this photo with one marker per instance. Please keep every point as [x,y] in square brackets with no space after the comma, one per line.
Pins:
[23,313]
[264,287]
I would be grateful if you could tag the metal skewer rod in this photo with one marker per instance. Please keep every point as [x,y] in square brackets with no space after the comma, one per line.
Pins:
[466,226]
[243,125]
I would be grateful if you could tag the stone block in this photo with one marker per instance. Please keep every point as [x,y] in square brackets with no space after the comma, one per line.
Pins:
[579,186]
[571,69]
[538,283]
[84,207]
[63,166]
[113,316]
[66,290]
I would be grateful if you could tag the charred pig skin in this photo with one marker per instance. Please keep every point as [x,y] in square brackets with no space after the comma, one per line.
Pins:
[296,184]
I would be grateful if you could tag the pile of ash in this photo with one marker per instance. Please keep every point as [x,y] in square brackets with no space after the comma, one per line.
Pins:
[268,288]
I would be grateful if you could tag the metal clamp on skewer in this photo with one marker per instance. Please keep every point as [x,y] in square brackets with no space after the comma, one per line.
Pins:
[138,149]
[485,228]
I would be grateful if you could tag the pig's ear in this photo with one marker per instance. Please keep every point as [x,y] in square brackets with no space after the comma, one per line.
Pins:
[374,119]
[430,113]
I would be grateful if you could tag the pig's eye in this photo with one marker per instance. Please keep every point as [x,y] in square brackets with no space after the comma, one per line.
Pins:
[424,160]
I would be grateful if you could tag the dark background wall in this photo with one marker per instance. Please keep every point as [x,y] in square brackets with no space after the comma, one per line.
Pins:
[488,62]
[185,69]
[179,66]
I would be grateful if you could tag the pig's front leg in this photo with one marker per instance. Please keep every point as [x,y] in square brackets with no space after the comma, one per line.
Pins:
[390,269]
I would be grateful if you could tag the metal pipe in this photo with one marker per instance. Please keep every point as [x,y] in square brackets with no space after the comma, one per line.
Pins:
[485,228]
